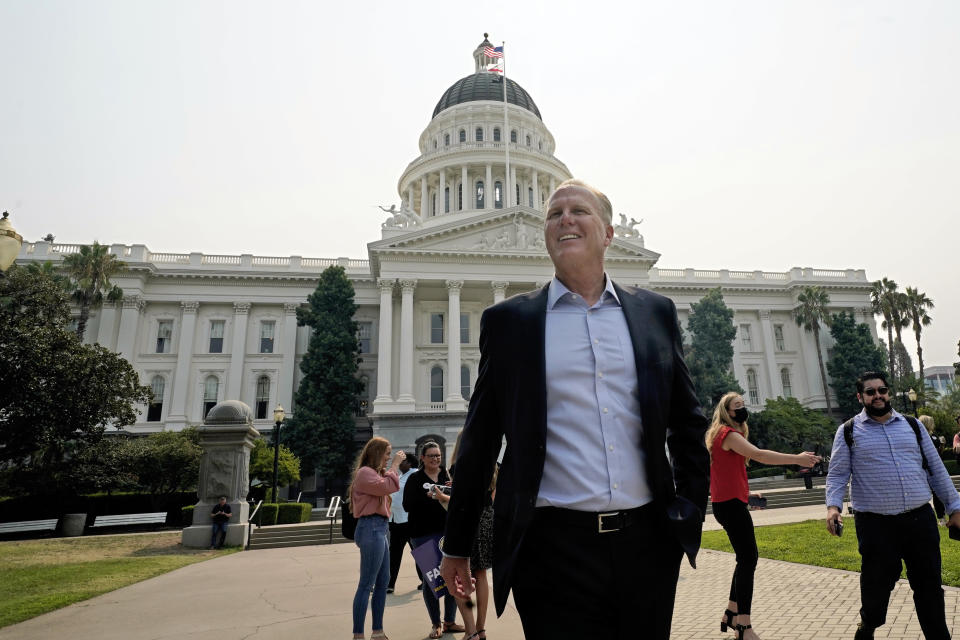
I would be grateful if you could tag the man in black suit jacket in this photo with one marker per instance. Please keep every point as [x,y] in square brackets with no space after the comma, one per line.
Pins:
[588,533]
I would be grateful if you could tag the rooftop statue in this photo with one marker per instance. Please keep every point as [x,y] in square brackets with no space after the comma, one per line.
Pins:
[628,230]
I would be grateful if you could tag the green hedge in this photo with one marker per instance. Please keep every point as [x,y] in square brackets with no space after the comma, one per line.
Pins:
[267,515]
[293,512]
[952,467]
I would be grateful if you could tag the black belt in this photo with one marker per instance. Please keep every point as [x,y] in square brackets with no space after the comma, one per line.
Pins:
[601,522]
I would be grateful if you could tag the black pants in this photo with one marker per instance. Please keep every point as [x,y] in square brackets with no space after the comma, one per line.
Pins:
[735,519]
[885,541]
[399,538]
[574,582]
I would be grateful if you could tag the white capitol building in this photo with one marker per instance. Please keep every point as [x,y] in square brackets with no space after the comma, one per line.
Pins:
[203,328]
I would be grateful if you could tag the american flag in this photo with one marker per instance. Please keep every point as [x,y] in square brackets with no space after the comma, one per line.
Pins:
[493,52]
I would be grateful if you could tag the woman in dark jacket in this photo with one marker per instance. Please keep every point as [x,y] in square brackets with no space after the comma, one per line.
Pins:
[427,519]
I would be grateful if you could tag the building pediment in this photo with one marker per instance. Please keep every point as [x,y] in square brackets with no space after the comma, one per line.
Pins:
[515,233]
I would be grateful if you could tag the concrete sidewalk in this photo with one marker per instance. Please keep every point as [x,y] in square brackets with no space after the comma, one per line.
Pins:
[306,593]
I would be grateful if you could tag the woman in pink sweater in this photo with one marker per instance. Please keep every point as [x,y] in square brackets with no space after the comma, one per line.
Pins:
[369,493]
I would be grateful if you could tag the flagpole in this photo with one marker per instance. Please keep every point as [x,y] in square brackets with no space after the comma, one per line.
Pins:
[506,128]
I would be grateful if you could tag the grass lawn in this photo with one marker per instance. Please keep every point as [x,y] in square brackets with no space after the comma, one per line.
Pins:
[43,575]
[809,543]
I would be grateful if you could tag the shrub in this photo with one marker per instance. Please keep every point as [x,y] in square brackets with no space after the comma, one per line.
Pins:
[293,512]
[266,515]
[186,515]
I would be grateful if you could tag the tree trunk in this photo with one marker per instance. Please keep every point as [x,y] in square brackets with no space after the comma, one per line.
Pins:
[823,373]
[82,320]
[891,364]
[916,332]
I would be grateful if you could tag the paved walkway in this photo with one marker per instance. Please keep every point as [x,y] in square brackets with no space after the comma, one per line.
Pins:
[306,593]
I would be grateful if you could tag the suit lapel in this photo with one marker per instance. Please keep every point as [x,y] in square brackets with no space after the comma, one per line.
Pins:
[638,317]
[534,313]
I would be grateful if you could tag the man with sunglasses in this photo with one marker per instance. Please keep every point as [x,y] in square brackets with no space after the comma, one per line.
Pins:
[891,482]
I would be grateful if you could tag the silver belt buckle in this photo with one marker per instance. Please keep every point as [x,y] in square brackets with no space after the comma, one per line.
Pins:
[600,517]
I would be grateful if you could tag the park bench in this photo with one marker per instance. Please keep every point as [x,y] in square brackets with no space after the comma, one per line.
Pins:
[28,525]
[125,519]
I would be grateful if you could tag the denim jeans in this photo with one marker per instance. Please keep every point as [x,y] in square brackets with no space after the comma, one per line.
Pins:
[371,537]
[219,528]
[430,600]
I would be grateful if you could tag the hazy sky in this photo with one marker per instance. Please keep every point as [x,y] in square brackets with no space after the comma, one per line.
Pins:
[748,135]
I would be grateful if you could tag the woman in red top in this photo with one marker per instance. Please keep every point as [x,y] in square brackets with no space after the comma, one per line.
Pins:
[369,494]
[729,453]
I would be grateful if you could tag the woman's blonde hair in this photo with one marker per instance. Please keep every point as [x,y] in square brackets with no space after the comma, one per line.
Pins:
[722,418]
[371,456]
[928,422]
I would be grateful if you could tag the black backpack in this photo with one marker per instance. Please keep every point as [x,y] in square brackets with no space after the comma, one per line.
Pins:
[348,524]
[848,438]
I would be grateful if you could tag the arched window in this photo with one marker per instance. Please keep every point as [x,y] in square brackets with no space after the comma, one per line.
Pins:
[433,205]
[530,195]
[155,409]
[513,136]
[785,381]
[460,197]
[436,384]
[528,141]
[752,389]
[446,139]
[446,199]
[211,389]
[465,382]
[463,135]
[540,145]
[518,193]
[479,194]
[496,134]
[479,134]
[434,144]
[498,194]
[263,397]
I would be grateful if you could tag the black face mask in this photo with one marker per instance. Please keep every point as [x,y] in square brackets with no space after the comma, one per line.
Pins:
[876,412]
[740,415]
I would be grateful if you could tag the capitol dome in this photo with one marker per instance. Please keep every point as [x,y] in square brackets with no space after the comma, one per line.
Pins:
[485,86]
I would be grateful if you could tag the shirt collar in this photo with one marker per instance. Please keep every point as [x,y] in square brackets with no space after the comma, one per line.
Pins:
[863,416]
[558,290]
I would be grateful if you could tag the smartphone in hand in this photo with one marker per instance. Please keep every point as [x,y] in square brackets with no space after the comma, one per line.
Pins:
[838,527]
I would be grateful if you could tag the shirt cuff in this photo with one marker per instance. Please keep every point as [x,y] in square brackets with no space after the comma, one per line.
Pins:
[450,555]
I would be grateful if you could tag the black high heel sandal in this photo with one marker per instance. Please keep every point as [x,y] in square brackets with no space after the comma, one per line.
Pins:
[729,615]
[741,628]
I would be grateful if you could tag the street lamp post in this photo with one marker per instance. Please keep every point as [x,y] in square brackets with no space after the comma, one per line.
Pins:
[278,415]
[10,243]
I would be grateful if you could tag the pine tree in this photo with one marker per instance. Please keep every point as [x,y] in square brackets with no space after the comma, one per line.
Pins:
[710,355]
[322,428]
[854,352]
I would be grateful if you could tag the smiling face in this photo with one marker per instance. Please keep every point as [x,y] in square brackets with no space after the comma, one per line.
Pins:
[431,459]
[575,231]
[875,397]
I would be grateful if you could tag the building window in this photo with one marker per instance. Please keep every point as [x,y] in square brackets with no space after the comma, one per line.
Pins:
[263,397]
[155,409]
[518,193]
[463,135]
[479,194]
[446,199]
[498,194]
[479,134]
[364,331]
[73,324]
[436,328]
[434,144]
[446,139]
[745,338]
[785,381]
[752,389]
[513,136]
[433,205]
[266,336]
[164,333]
[465,381]
[530,195]
[540,145]
[436,384]
[211,389]
[778,337]
[496,134]
[464,328]
[363,398]
[460,197]
[528,141]
[216,336]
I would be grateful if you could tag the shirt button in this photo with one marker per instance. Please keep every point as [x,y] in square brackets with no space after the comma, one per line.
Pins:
[604,409]
[600,375]
[610,447]
[616,486]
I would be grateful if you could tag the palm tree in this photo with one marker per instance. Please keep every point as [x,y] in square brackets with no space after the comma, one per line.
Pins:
[811,310]
[883,296]
[91,269]
[917,304]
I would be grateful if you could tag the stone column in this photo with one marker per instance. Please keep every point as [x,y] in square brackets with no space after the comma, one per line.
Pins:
[499,291]
[553,184]
[227,436]
[410,196]
[441,193]
[424,199]
[513,185]
[536,189]
[238,349]
[129,320]
[773,373]
[406,342]
[488,189]
[289,362]
[384,344]
[454,399]
[177,419]
[464,189]
[108,320]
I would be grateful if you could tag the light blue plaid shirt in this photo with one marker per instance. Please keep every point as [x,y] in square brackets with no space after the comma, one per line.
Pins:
[887,470]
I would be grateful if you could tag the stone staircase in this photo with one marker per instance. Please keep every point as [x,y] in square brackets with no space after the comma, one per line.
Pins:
[296,535]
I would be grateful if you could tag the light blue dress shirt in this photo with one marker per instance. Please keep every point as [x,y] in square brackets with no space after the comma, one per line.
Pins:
[888,473]
[594,458]
[397,514]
